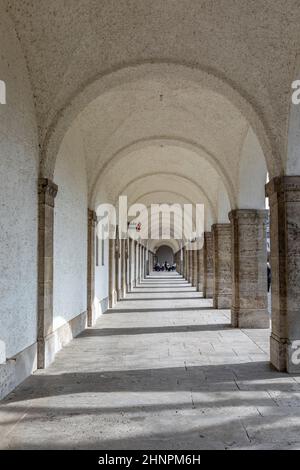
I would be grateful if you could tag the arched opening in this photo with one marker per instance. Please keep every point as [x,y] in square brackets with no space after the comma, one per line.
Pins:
[169,119]
[165,255]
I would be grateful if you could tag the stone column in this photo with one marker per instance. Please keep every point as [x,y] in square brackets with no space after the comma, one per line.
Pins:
[181,261]
[200,270]
[91,240]
[143,262]
[117,266]
[284,198]
[135,263]
[186,263]
[123,242]
[130,264]
[147,262]
[47,191]
[222,265]
[194,268]
[190,265]
[112,273]
[139,263]
[208,272]
[249,307]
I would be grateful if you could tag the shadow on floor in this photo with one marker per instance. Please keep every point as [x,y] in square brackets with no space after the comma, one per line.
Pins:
[173,289]
[153,330]
[204,378]
[128,299]
[158,309]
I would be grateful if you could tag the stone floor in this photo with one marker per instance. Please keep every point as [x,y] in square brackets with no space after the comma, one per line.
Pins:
[162,370]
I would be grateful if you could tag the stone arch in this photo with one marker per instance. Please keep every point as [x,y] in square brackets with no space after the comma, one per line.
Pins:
[163,140]
[183,178]
[173,244]
[61,121]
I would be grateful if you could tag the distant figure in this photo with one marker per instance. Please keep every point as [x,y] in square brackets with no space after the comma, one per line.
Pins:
[269,275]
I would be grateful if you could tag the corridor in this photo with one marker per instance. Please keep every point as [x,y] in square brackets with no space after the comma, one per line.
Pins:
[161,370]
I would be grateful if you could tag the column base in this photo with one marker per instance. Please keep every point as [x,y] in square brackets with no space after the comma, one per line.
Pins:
[222,301]
[120,294]
[48,346]
[200,287]
[278,353]
[113,299]
[283,356]
[207,292]
[129,287]
[248,318]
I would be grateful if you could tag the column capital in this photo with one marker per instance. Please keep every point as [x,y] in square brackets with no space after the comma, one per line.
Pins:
[281,184]
[218,226]
[248,215]
[47,191]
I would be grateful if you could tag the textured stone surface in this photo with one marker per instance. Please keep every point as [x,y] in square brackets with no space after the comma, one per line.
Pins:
[284,198]
[163,370]
[222,284]
[18,197]
[249,308]
[112,273]
[194,268]
[200,270]
[91,262]
[47,191]
[208,273]
[254,49]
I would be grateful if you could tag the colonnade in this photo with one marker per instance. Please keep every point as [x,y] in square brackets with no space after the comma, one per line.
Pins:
[231,269]
[130,261]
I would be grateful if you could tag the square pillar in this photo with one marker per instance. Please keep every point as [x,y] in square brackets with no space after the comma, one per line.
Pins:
[123,242]
[139,278]
[130,264]
[117,266]
[112,273]
[136,260]
[190,265]
[284,201]
[47,192]
[249,307]
[200,270]
[208,275]
[222,265]
[184,263]
[194,268]
[91,239]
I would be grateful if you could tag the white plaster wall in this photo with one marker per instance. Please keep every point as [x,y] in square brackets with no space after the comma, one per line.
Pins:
[223,204]
[18,198]
[252,174]
[101,279]
[70,231]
